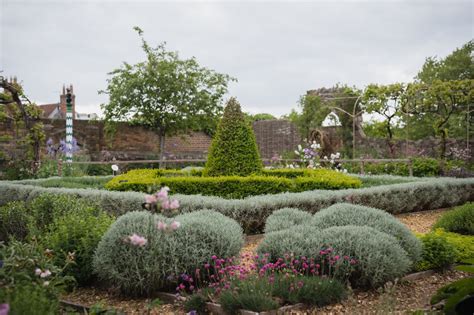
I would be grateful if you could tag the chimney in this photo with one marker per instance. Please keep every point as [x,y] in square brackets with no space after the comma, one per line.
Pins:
[62,102]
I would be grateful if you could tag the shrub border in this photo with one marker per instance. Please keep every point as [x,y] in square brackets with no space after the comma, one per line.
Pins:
[252,212]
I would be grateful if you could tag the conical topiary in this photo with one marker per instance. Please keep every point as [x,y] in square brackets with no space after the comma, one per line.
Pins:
[234,149]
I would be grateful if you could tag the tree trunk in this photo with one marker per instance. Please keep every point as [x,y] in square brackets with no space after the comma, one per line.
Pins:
[443,144]
[162,148]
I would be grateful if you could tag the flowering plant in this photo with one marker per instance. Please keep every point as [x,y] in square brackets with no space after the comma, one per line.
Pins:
[224,274]
[160,202]
[310,157]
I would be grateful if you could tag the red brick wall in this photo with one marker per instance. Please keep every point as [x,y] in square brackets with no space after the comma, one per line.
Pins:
[136,143]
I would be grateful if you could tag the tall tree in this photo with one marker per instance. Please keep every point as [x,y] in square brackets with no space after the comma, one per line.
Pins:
[441,100]
[458,65]
[15,105]
[385,101]
[165,93]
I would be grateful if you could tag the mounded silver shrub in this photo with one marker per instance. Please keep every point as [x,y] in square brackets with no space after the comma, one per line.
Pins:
[379,256]
[286,218]
[349,214]
[251,212]
[139,270]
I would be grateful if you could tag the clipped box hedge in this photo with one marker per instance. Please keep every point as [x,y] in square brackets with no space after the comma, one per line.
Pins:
[252,212]
[231,186]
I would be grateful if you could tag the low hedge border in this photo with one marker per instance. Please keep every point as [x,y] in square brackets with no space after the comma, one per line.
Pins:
[231,186]
[252,212]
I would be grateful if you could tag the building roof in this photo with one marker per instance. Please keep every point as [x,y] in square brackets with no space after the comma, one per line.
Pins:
[48,109]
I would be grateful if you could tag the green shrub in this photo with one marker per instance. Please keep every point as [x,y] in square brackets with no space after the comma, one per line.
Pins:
[459,220]
[251,295]
[319,291]
[45,208]
[348,214]
[234,149]
[464,244]
[26,291]
[142,270]
[25,298]
[379,256]
[438,253]
[14,219]
[196,302]
[286,218]
[453,293]
[78,231]
[233,186]
[421,167]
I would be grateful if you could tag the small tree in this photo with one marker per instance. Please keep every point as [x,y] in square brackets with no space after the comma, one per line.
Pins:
[385,101]
[441,100]
[165,93]
[15,105]
[234,149]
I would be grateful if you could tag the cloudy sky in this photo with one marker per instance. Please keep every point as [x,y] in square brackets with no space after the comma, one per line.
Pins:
[276,49]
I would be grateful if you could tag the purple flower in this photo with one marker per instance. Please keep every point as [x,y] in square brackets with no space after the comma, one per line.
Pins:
[4,309]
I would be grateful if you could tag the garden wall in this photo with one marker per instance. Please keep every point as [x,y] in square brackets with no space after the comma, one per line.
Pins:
[273,137]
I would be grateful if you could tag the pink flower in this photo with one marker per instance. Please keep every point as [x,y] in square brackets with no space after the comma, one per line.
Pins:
[137,240]
[151,199]
[174,204]
[175,225]
[162,194]
[161,226]
[38,271]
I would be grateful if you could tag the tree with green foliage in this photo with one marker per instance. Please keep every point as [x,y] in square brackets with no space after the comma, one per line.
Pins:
[441,100]
[165,93]
[458,65]
[258,117]
[25,115]
[385,101]
[312,114]
[234,148]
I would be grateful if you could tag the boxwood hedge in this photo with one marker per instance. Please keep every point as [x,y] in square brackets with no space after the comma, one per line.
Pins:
[231,186]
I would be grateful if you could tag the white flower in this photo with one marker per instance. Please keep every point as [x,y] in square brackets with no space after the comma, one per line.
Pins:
[115,167]
[297,153]
[45,274]
[46,283]
[300,147]
[325,157]
[344,170]
[38,271]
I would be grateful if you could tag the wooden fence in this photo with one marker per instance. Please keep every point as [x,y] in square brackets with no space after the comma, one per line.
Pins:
[362,162]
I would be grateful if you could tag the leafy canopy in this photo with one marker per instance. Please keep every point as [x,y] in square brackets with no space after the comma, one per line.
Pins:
[165,92]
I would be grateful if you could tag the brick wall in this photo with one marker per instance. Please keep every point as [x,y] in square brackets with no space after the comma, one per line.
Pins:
[137,143]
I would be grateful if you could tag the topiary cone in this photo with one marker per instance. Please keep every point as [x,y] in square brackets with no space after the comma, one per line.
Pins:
[234,149]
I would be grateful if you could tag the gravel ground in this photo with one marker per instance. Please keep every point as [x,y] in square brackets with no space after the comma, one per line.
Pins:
[421,222]
[399,298]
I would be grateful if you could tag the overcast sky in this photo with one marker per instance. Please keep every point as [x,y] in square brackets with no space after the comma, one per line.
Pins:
[277,50]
